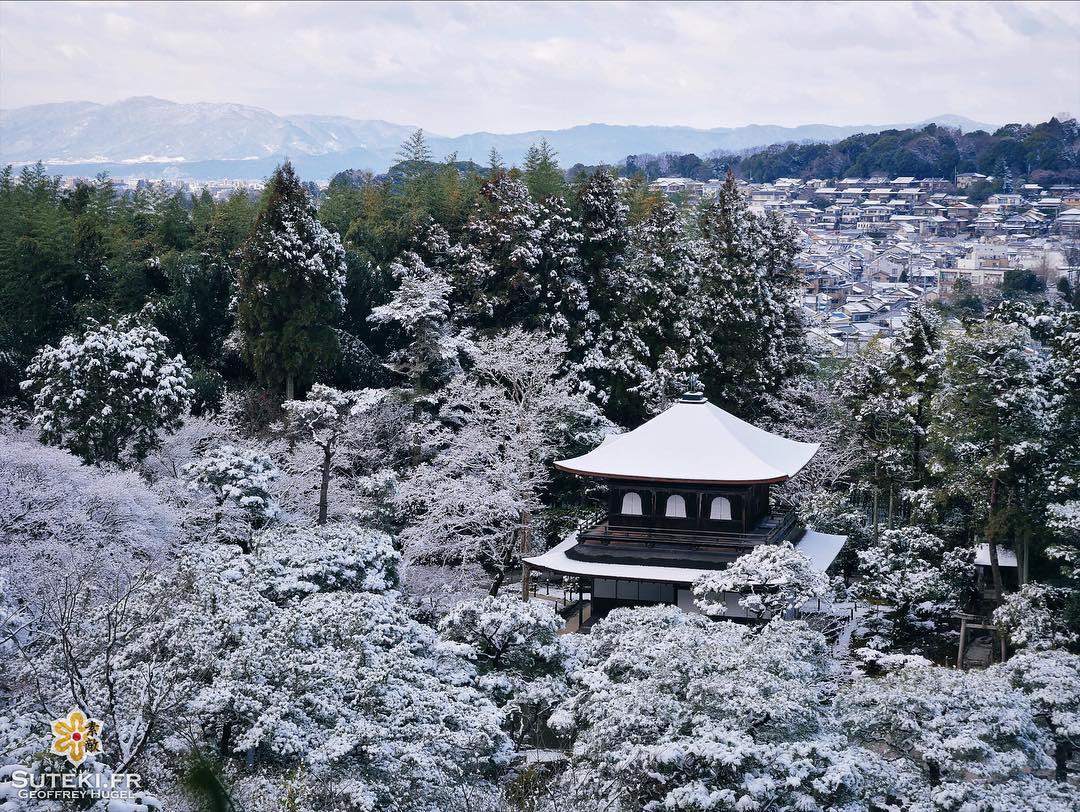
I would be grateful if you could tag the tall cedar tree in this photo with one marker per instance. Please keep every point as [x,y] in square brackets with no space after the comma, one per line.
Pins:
[290,284]
[748,330]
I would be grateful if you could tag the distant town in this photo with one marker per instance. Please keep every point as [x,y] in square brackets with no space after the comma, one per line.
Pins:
[873,246]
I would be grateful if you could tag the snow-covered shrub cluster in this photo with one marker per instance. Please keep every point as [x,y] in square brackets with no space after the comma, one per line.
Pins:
[235,475]
[108,393]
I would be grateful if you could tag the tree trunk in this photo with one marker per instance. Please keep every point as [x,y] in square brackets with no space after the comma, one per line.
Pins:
[1062,753]
[933,770]
[916,450]
[325,486]
[524,530]
[991,543]
[1024,551]
[226,738]
[504,568]
[416,434]
[875,513]
[290,382]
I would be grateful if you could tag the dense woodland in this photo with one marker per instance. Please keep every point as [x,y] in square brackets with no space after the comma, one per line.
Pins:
[267,469]
[1045,153]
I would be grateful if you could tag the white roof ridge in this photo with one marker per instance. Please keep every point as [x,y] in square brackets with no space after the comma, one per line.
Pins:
[695,441]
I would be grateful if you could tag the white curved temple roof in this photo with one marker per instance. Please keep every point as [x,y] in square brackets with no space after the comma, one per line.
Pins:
[695,441]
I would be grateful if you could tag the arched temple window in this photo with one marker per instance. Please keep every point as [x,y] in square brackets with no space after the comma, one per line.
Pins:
[720,508]
[676,507]
[631,504]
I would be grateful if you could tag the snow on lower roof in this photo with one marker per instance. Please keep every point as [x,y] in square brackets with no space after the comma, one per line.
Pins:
[820,548]
[1006,557]
[695,441]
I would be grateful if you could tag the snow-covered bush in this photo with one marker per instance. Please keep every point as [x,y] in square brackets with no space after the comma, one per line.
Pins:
[1051,681]
[771,579]
[1033,617]
[237,475]
[518,654]
[910,566]
[950,725]
[669,710]
[302,653]
[294,561]
[108,393]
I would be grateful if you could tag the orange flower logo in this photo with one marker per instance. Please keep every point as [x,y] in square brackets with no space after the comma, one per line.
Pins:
[75,736]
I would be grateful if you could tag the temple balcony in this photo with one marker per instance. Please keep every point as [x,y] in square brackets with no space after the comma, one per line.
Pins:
[601,540]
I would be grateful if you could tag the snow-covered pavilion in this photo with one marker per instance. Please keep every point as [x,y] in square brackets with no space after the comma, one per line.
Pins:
[687,492]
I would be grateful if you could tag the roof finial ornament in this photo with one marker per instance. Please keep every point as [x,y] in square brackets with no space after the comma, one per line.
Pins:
[694,392]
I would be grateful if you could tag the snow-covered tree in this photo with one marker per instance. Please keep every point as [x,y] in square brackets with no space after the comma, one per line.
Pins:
[637,354]
[1034,617]
[770,580]
[876,418]
[302,653]
[1051,681]
[290,283]
[502,272]
[917,574]
[987,433]
[59,517]
[107,394]
[1060,333]
[420,309]
[951,726]
[476,501]
[564,298]
[518,654]
[669,710]
[85,593]
[916,360]
[743,303]
[236,475]
[322,420]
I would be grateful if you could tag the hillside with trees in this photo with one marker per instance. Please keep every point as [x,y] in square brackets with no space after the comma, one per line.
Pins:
[1045,153]
[269,466]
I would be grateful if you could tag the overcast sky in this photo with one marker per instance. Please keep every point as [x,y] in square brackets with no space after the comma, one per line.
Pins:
[505,67]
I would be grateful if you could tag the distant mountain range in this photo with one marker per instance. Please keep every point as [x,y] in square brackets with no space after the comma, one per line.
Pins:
[154,138]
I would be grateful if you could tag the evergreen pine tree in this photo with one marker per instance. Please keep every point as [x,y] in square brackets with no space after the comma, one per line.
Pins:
[747,337]
[542,173]
[987,429]
[290,282]
[502,270]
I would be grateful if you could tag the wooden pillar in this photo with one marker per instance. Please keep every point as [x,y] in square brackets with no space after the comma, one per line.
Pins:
[963,642]
[524,582]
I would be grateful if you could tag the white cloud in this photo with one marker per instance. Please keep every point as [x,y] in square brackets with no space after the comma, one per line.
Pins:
[460,67]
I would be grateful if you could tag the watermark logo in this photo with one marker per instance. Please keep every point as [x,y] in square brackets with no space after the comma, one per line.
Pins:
[76,735]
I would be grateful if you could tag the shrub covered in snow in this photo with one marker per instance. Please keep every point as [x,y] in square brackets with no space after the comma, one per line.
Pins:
[235,475]
[1034,617]
[673,711]
[108,393]
[517,652]
[770,580]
